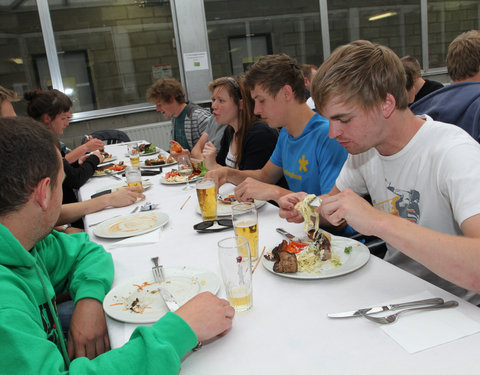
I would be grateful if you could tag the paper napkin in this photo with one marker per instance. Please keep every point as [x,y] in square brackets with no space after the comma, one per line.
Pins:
[421,330]
[147,238]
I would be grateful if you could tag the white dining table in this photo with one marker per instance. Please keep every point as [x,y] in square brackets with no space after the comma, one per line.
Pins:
[287,330]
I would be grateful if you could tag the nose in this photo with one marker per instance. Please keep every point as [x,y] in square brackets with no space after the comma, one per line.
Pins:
[334,130]
[158,108]
[214,104]
[257,110]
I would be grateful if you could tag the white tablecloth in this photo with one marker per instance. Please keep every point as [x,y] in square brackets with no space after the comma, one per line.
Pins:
[287,330]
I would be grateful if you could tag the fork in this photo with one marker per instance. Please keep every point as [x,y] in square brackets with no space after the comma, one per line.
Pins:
[157,271]
[315,202]
[393,317]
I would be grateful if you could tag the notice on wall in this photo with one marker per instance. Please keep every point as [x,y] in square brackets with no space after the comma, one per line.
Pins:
[161,71]
[195,61]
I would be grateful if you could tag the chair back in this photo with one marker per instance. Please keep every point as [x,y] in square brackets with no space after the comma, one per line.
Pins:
[110,136]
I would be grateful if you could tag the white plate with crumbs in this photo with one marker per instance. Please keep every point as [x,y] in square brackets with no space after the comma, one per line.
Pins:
[183,283]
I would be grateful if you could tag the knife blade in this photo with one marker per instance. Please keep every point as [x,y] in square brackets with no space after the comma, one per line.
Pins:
[288,236]
[377,309]
[169,299]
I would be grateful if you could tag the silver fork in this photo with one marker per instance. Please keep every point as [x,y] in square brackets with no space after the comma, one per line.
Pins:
[315,202]
[393,317]
[157,271]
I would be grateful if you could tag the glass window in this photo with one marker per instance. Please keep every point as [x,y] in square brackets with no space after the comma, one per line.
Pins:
[239,32]
[390,23]
[446,20]
[20,40]
[111,51]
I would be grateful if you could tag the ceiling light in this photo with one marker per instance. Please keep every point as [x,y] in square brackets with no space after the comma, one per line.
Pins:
[382,15]
[16,60]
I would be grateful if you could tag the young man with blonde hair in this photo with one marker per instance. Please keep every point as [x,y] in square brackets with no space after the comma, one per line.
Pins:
[188,120]
[421,174]
[458,103]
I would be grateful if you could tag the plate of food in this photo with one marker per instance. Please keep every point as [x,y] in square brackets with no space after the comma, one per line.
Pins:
[145,183]
[163,160]
[109,169]
[174,178]
[148,149]
[131,225]
[138,300]
[224,205]
[340,256]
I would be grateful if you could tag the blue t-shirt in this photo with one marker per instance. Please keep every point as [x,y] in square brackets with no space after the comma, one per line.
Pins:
[312,161]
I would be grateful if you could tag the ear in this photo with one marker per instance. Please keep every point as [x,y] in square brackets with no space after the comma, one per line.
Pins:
[46,119]
[42,193]
[287,92]
[388,105]
[240,105]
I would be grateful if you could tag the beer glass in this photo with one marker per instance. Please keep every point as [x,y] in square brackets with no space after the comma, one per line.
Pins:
[245,223]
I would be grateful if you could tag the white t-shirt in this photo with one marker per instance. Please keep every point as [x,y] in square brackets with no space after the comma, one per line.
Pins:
[433,181]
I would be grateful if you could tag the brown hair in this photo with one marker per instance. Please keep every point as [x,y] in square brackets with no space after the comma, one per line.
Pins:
[165,89]
[50,102]
[29,154]
[307,70]
[412,70]
[237,91]
[272,72]
[463,57]
[362,73]
[10,95]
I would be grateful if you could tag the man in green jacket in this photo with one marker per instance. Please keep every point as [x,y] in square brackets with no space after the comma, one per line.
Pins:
[36,263]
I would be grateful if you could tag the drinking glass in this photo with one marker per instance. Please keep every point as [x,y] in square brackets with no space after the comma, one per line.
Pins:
[134,154]
[185,169]
[133,176]
[236,269]
[207,198]
[245,223]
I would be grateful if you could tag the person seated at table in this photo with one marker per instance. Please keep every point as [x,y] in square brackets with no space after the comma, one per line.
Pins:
[425,204]
[37,262]
[52,108]
[188,120]
[247,143]
[458,103]
[7,97]
[304,154]
[417,86]
[308,71]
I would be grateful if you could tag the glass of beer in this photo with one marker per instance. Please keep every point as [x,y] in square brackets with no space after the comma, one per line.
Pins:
[236,269]
[245,223]
[207,198]
[134,177]
[134,155]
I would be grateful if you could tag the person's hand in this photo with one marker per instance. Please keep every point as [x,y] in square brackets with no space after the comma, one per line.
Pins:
[219,175]
[209,154]
[350,207]
[287,207]
[207,315]
[125,196]
[82,159]
[99,156]
[251,189]
[88,335]
[93,144]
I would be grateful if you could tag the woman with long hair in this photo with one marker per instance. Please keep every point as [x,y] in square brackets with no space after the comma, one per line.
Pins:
[247,142]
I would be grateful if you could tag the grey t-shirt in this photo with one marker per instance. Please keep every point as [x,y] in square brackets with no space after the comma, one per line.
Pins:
[215,131]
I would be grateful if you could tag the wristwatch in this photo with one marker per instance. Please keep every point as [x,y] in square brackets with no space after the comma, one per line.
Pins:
[63,228]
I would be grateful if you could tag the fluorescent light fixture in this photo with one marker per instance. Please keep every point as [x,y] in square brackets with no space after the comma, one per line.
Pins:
[382,15]
[16,60]
[68,91]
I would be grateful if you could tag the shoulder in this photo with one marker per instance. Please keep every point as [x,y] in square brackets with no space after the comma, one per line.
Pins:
[260,128]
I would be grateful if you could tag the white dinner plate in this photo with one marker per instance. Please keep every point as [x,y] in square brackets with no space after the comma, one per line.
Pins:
[107,161]
[226,209]
[182,282]
[165,182]
[146,185]
[131,225]
[356,259]
[142,165]
[108,173]
[150,153]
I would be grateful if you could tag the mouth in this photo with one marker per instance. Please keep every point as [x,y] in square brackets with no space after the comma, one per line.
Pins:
[343,142]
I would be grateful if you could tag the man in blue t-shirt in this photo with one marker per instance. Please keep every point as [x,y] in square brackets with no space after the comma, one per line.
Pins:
[305,155]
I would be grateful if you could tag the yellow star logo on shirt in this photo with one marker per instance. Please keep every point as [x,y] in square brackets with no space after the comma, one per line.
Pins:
[303,163]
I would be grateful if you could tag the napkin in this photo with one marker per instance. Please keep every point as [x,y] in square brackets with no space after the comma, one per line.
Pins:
[425,329]
[150,237]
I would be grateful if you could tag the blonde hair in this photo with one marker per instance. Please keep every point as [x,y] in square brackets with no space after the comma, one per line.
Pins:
[362,73]
[10,95]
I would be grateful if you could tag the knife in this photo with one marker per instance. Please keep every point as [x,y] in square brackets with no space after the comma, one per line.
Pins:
[377,309]
[169,299]
[287,235]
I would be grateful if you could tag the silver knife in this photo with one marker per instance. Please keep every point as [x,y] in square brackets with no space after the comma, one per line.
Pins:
[377,309]
[169,299]
[287,235]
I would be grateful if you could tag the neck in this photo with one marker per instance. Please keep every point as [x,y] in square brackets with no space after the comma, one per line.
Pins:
[399,130]
[297,118]
[22,227]
[180,109]
[419,82]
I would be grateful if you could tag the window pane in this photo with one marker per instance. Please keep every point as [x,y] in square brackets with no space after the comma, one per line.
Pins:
[238,36]
[446,20]
[20,40]
[390,23]
[111,51]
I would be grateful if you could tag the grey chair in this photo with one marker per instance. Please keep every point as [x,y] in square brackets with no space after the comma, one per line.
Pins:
[109,136]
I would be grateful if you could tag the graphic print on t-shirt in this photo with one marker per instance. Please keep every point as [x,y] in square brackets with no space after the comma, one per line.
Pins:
[405,204]
[48,322]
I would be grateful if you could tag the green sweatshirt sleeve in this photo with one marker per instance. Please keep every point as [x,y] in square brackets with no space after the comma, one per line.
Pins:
[78,265]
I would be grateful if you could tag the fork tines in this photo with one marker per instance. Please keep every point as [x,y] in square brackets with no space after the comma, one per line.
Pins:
[158,273]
